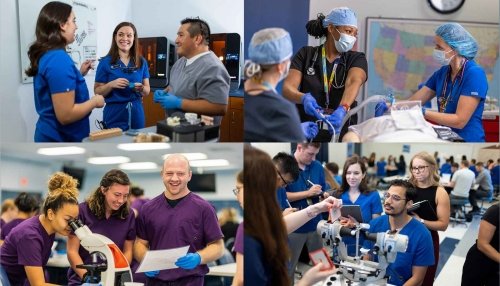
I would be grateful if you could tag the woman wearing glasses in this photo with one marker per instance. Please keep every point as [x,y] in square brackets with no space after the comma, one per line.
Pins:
[424,176]
[327,78]
[123,78]
[61,95]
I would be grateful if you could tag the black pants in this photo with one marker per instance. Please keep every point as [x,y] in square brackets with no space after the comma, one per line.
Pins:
[477,194]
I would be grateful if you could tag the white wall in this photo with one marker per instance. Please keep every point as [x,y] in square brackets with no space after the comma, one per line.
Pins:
[151,17]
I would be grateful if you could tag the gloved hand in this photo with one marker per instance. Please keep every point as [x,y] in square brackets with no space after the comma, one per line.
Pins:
[189,261]
[309,129]
[167,100]
[380,108]
[311,107]
[152,274]
[336,118]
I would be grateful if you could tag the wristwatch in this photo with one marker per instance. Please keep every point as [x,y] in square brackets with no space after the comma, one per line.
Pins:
[422,220]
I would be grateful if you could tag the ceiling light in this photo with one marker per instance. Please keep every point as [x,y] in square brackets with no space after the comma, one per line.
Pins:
[190,156]
[57,151]
[143,146]
[108,160]
[209,163]
[139,166]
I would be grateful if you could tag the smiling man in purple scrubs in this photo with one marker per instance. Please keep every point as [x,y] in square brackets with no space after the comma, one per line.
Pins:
[178,218]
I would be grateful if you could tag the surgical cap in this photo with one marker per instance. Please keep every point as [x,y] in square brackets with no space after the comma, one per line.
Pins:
[342,16]
[458,39]
[270,46]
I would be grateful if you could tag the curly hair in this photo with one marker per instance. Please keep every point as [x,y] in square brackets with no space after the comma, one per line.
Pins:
[62,190]
[97,202]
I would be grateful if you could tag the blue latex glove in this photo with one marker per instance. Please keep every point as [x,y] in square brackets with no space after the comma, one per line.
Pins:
[167,100]
[152,274]
[311,106]
[310,129]
[380,108]
[336,118]
[189,261]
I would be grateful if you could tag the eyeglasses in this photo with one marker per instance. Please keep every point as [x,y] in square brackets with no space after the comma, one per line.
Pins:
[395,198]
[418,169]
[237,190]
[100,124]
[124,69]
[283,179]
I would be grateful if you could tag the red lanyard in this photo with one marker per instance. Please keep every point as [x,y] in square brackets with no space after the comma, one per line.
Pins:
[443,101]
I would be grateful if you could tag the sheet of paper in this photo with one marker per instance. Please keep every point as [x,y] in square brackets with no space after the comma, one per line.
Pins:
[162,259]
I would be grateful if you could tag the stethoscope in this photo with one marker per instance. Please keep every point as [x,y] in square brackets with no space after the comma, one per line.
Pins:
[311,72]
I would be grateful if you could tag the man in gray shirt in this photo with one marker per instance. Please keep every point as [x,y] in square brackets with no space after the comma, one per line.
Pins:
[485,188]
[199,82]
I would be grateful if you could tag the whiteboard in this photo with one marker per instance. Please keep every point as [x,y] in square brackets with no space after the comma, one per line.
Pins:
[85,45]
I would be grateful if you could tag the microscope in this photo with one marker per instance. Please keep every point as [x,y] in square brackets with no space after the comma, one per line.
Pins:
[354,270]
[109,266]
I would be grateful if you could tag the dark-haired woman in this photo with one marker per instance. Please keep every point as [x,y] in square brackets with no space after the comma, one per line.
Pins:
[27,248]
[106,212]
[27,206]
[123,78]
[61,95]
[328,77]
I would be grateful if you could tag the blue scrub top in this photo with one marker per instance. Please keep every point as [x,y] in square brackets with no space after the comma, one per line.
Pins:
[282,198]
[106,72]
[57,74]
[257,270]
[420,251]
[473,83]
[314,173]
[381,172]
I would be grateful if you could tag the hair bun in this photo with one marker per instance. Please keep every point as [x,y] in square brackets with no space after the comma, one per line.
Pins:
[64,182]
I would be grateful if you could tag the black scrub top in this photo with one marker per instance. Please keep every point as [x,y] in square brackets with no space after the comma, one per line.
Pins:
[313,83]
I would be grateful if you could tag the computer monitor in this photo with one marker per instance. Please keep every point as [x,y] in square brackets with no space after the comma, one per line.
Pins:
[161,55]
[227,46]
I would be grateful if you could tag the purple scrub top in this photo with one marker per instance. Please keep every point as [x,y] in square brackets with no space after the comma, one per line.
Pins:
[192,222]
[114,228]
[28,244]
[238,242]
[6,228]
[138,203]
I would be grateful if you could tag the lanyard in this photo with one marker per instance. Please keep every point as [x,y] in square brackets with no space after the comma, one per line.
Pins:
[326,83]
[443,101]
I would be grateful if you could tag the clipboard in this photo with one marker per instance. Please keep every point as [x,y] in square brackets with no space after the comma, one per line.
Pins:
[352,210]
[424,206]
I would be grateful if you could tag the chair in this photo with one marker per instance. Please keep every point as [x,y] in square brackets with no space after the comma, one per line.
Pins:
[487,199]
[458,205]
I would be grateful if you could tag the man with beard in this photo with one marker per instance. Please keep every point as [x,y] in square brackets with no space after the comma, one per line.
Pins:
[410,267]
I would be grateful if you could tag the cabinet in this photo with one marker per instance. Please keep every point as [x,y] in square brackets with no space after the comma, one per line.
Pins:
[153,112]
[231,129]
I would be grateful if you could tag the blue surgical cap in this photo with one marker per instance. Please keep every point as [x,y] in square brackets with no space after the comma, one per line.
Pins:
[270,46]
[342,16]
[458,39]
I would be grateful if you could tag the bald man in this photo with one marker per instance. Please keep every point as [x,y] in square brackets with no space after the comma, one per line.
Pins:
[178,218]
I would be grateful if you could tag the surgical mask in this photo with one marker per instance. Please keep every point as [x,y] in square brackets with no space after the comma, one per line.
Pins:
[285,74]
[440,57]
[345,43]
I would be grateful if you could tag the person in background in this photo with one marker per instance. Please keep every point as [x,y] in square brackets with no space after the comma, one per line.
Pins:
[137,199]
[228,221]
[27,206]
[424,176]
[333,169]
[27,248]
[287,171]
[436,155]
[482,262]
[472,166]
[199,82]
[122,77]
[445,168]
[460,85]
[461,182]
[269,116]
[61,95]
[265,237]
[490,164]
[371,171]
[381,170]
[327,78]
[179,211]
[108,213]
[485,188]
[238,242]
[495,177]
[410,266]
[391,167]
[401,164]
[8,212]
[354,191]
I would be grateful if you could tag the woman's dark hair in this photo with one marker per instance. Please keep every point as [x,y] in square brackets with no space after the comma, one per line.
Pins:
[136,191]
[263,217]
[363,187]
[62,190]
[26,203]
[96,201]
[134,54]
[315,27]
[48,33]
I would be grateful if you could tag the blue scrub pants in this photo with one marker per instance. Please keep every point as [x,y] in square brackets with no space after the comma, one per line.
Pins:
[116,114]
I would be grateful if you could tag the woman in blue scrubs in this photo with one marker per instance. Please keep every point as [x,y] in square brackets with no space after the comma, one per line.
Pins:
[61,95]
[123,78]
[460,85]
